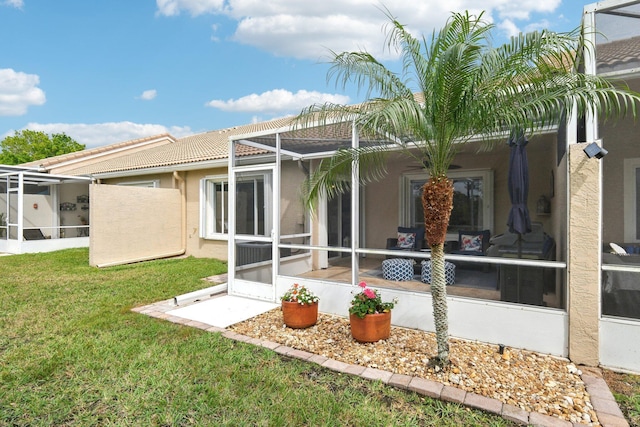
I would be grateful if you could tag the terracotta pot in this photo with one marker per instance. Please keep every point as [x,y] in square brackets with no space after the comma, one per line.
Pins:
[299,316]
[371,328]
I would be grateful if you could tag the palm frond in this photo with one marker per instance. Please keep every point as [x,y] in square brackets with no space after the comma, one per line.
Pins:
[333,176]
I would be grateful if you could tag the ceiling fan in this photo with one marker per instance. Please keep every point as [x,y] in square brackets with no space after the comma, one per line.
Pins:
[425,165]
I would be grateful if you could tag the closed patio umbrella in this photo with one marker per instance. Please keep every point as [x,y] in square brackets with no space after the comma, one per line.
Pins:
[519,220]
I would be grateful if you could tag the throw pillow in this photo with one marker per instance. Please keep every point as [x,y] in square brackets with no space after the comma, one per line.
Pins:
[471,243]
[406,240]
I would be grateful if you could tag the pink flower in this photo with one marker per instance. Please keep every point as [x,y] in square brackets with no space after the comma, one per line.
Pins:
[362,285]
[369,293]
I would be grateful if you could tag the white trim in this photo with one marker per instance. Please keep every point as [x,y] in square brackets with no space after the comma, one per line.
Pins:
[630,202]
[152,183]
[601,6]
[620,344]
[207,202]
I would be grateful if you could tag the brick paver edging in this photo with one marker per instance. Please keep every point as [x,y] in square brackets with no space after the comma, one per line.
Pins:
[604,404]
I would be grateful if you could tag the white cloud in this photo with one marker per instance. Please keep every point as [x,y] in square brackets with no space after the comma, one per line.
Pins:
[509,28]
[524,8]
[19,91]
[148,95]
[276,101]
[305,29]
[14,3]
[195,7]
[99,134]
[537,26]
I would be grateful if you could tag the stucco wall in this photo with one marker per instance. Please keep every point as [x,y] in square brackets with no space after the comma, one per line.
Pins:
[133,223]
[197,247]
[382,199]
[582,263]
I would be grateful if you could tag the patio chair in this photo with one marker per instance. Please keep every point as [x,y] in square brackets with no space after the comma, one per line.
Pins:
[473,243]
[33,234]
[408,239]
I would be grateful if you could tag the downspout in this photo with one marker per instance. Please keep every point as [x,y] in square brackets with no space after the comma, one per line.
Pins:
[183,207]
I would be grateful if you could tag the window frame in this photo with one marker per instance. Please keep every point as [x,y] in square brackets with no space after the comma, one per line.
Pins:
[630,200]
[208,206]
[487,198]
[152,183]
[208,219]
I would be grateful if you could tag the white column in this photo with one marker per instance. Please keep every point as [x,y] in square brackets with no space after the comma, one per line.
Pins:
[355,217]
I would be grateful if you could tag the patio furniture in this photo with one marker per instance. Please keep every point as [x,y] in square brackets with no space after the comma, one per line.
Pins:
[621,289]
[397,269]
[33,234]
[407,239]
[519,284]
[475,243]
[472,242]
[449,272]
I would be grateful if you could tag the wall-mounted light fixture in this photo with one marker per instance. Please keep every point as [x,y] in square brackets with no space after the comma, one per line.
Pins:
[594,150]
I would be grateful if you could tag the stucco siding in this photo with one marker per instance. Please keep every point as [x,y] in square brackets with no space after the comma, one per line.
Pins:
[583,259]
[196,246]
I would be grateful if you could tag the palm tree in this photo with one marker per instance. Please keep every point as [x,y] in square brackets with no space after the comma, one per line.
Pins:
[452,87]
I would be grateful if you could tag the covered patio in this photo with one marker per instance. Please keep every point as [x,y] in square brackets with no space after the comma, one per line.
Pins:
[499,295]
[40,212]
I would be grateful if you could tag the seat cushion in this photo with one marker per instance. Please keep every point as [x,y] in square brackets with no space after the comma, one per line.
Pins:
[472,242]
[418,234]
[406,240]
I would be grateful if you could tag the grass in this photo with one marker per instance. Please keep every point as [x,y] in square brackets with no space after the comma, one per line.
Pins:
[72,353]
[626,390]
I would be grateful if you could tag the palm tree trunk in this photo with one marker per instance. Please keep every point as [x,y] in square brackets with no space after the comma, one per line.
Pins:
[437,202]
[439,301]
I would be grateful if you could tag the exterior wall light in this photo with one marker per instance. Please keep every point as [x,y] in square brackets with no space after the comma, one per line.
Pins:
[594,150]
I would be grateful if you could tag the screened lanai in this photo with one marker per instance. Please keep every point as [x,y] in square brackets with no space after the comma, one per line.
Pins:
[40,212]
[275,241]
[549,290]
[614,31]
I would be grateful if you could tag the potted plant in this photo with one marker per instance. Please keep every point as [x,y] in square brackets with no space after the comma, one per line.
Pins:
[299,307]
[370,318]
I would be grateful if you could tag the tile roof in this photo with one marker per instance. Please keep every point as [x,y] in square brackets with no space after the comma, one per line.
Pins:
[618,55]
[202,147]
[96,152]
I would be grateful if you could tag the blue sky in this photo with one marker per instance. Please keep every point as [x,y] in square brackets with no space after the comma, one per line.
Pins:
[110,71]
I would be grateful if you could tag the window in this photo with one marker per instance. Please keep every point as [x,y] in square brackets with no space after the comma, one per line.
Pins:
[214,200]
[252,210]
[632,200]
[147,184]
[472,201]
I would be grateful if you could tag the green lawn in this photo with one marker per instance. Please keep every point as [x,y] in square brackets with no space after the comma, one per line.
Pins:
[72,353]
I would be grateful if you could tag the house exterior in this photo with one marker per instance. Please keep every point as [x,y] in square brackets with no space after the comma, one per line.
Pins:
[234,194]
[44,209]
[42,212]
